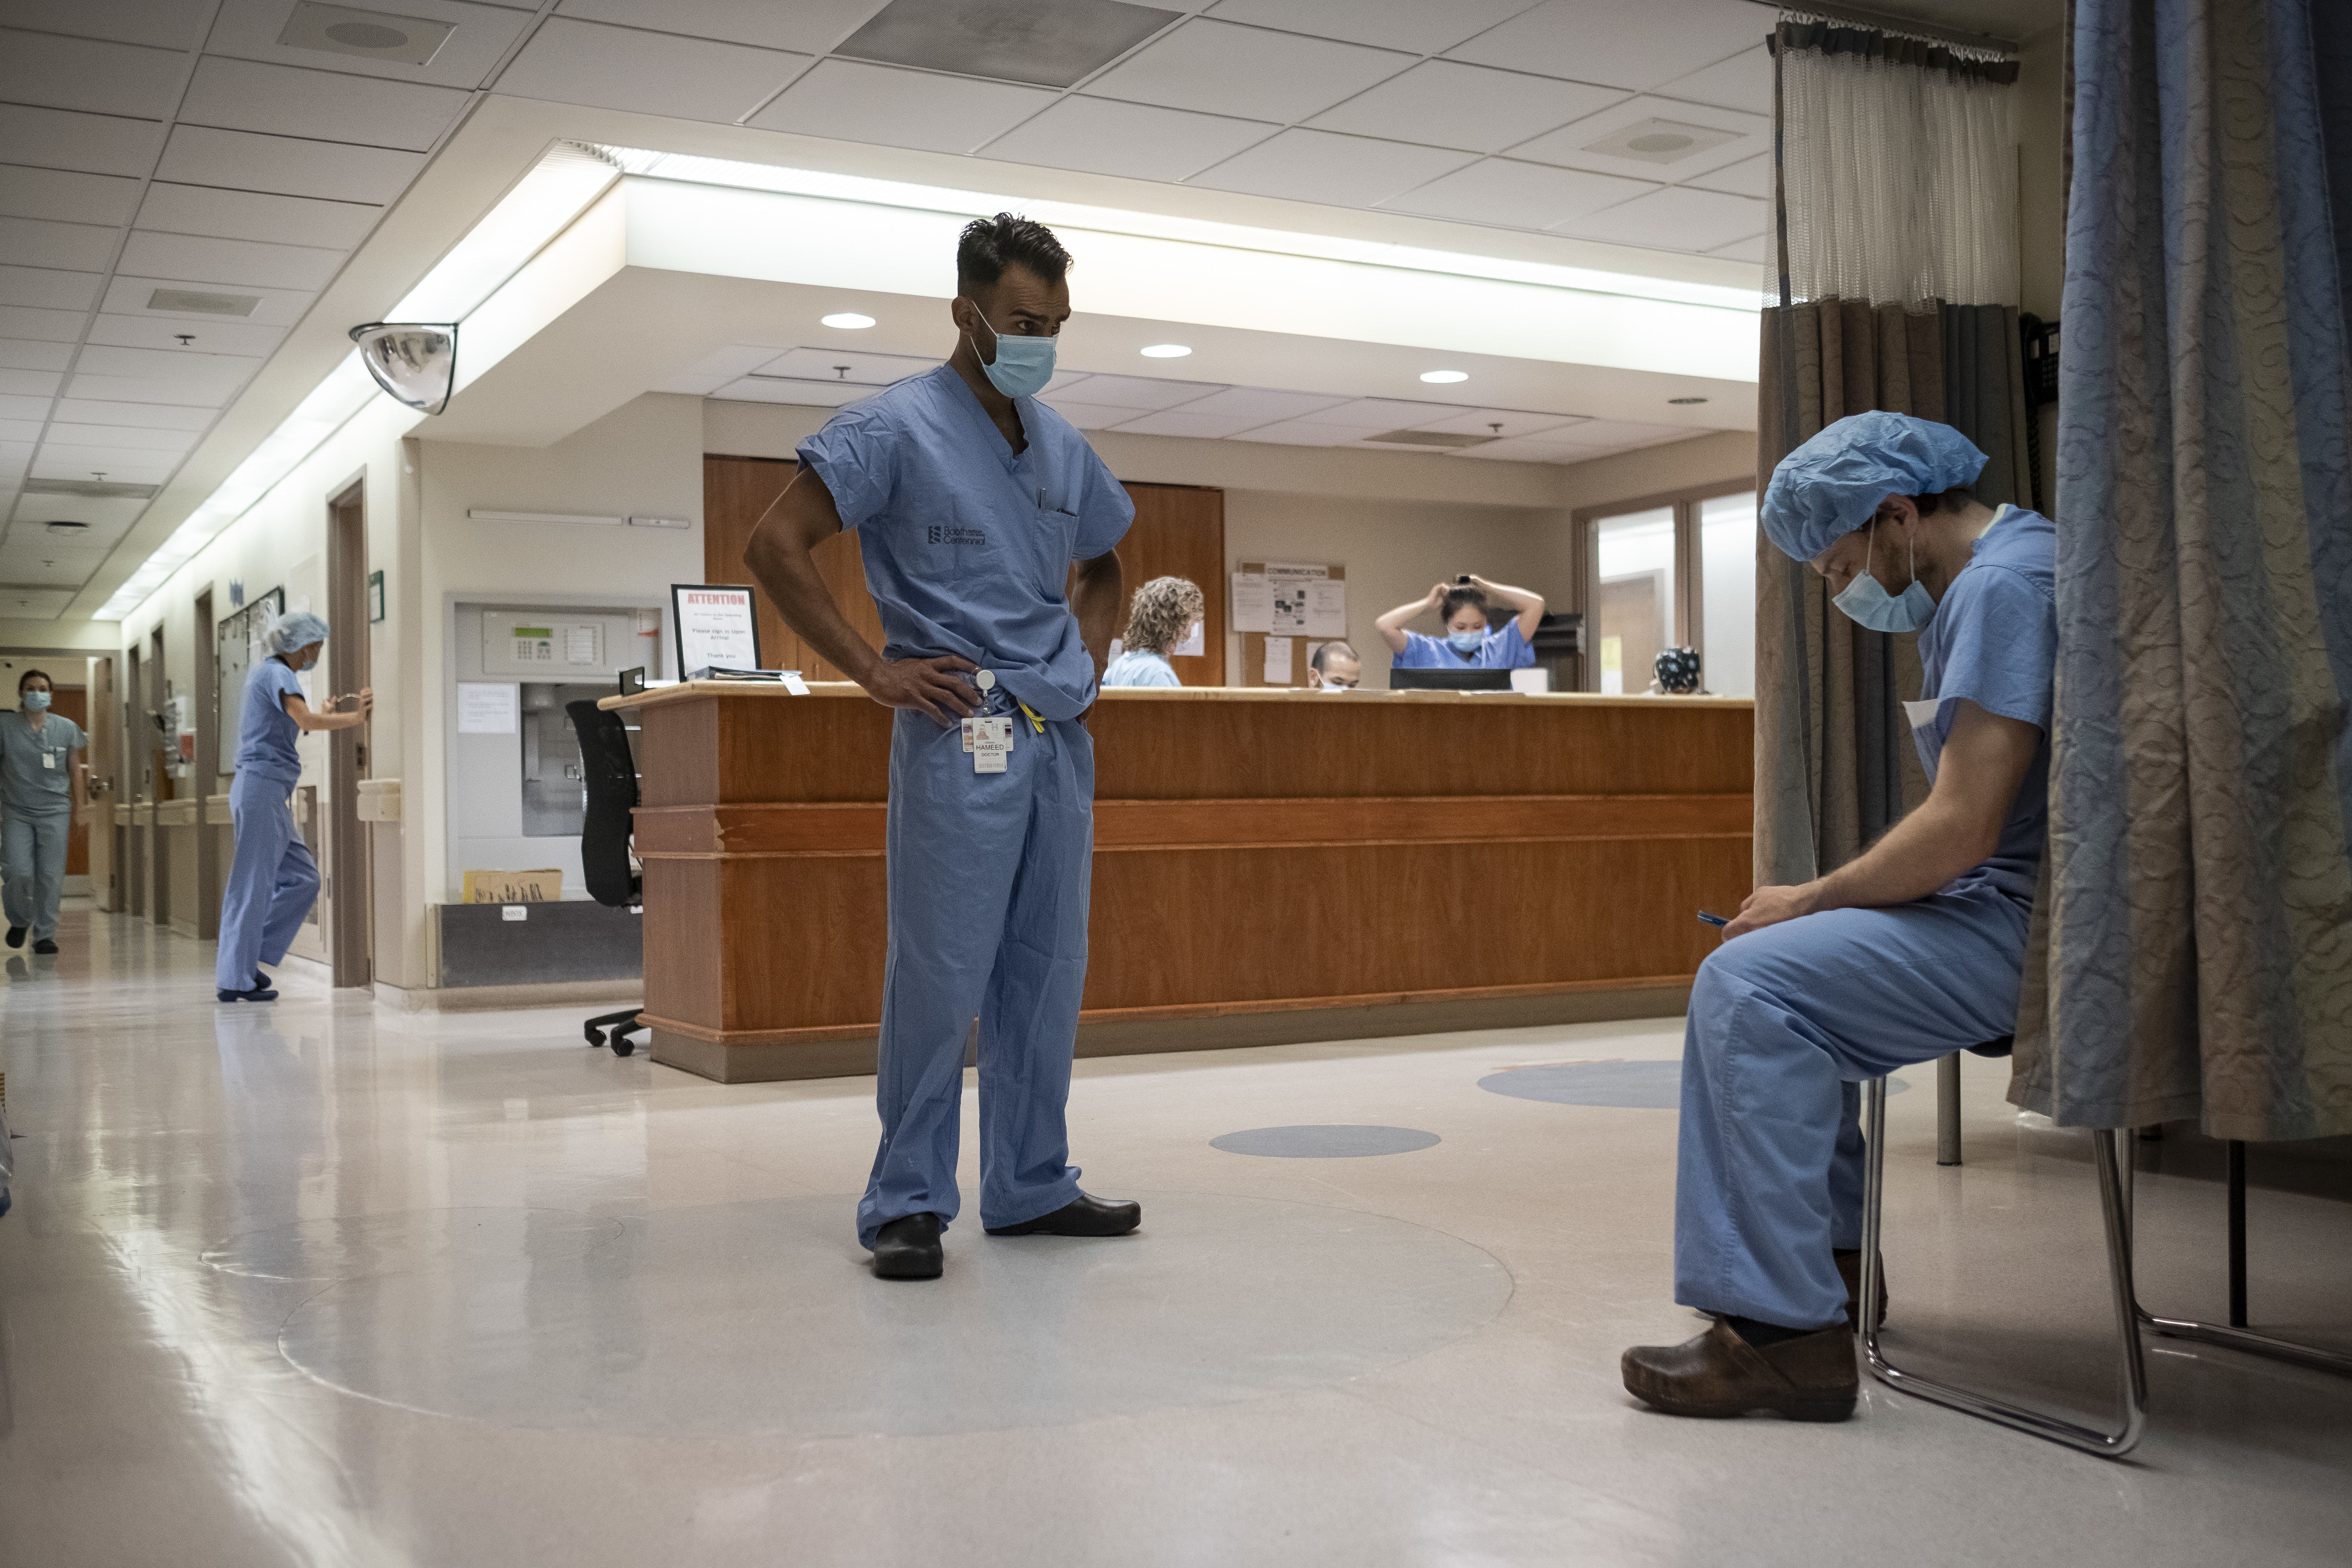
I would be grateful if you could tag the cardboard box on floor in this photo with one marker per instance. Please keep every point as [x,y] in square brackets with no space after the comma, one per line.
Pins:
[542,887]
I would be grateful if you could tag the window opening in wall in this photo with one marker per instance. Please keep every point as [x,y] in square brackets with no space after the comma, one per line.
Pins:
[1727,553]
[1633,611]
[554,783]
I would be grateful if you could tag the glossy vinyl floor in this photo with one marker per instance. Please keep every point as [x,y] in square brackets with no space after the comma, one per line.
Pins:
[321,1284]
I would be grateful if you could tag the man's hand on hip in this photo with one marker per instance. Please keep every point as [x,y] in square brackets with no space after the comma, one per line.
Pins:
[932,687]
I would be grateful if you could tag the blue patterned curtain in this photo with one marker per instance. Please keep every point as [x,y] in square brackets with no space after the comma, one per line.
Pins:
[2194,939]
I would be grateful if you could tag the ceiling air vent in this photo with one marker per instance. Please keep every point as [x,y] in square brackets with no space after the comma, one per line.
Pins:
[370,35]
[1660,142]
[1445,438]
[191,301]
[64,528]
[1053,43]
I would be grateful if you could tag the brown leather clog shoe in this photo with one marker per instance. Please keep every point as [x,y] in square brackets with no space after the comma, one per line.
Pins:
[1849,1267]
[1811,1378]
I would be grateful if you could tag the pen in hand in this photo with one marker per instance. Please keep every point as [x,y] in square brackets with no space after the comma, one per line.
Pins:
[1712,919]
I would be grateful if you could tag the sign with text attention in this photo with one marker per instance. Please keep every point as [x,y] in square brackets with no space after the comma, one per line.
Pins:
[716,627]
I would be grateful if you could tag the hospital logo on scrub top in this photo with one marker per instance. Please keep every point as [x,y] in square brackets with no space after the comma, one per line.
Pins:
[944,533]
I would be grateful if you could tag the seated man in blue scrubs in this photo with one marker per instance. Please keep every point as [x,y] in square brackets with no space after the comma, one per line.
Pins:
[1912,950]
[1468,643]
[970,501]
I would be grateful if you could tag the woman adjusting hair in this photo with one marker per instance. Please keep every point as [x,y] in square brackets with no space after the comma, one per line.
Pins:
[39,753]
[272,878]
[1160,620]
[1468,643]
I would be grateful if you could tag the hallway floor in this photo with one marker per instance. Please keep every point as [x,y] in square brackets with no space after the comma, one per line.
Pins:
[318,1283]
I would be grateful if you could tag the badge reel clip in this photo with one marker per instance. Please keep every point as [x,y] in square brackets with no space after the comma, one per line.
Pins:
[989,740]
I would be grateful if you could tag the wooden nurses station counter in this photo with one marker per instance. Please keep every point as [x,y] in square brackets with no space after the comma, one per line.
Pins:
[1269,866]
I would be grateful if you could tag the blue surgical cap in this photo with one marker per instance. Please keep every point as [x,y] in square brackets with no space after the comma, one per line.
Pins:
[1829,486]
[299,629]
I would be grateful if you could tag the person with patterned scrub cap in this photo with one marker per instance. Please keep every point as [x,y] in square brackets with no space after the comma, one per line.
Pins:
[1911,951]
[972,499]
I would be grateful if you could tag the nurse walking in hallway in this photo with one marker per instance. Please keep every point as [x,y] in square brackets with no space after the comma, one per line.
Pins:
[39,762]
[272,878]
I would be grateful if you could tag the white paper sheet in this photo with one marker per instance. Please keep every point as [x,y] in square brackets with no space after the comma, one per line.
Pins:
[1326,609]
[488,707]
[1277,661]
[1253,603]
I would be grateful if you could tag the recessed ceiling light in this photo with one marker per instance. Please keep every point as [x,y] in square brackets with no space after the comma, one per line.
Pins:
[849,320]
[1661,141]
[1442,377]
[1166,350]
[1686,400]
[370,35]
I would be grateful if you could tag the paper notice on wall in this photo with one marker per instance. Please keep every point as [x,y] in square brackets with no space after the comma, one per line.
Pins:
[1327,608]
[1277,661]
[488,707]
[1253,603]
[1195,643]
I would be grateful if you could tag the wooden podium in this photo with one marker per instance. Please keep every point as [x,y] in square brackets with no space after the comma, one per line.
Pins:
[1269,866]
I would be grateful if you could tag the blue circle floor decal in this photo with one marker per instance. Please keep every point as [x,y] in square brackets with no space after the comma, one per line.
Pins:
[1624,1086]
[1324,1143]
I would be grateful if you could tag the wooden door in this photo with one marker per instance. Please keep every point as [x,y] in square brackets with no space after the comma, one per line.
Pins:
[1179,531]
[344,895]
[735,494]
[105,741]
[73,702]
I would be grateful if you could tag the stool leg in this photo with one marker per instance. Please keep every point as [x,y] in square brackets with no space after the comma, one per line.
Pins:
[2237,1234]
[2090,1440]
[1948,1110]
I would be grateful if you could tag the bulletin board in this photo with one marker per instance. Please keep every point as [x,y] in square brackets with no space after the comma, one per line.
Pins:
[1283,610]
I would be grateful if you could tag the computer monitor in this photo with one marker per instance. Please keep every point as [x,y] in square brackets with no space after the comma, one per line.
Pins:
[1449,680]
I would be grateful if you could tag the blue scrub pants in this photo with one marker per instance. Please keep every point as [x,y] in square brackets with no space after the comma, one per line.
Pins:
[33,868]
[272,880]
[989,878]
[1785,1022]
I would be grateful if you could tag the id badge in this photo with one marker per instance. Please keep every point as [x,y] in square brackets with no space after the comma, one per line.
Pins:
[49,760]
[990,742]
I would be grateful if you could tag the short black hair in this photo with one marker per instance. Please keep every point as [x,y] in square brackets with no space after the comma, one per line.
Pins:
[1335,649]
[1952,500]
[28,676]
[990,245]
[1458,596]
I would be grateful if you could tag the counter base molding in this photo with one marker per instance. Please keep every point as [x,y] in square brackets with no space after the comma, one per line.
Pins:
[1270,867]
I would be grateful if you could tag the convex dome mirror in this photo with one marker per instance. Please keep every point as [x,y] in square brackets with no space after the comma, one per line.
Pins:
[416,362]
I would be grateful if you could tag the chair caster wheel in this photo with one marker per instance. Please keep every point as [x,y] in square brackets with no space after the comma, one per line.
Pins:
[622,1044]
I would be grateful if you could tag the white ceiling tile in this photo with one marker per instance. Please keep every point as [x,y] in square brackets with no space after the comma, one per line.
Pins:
[107,516]
[1517,195]
[860,103]
[1261,406]
[127,295]
[66,197]
[22,405]
[76,246]
[812,27]
[1514,422]
[1092,415]
[256,215]
[1216,68]
[1046,43]
[716,369]
[647,73]
[43,326]
[240,160]
[30,354]
[46,289]
[1063,381]
[96,77]
[191,367]
[125,437]
[1145,391]
[147,415]
[1337,171]
[90,143]
[1750,135]
[1529,449]
[29,382]
[1102,137]
[1381,414]
[146,389]
[15,457]
[1751,178]
[1634,47]
[803,394]
[323,105]
[212,334]
[249,28]
[1744,81]
[1305,433]
[37,560]
[200,258]
[1677,218]
[163,24]
[1755,248]
[56,461]
[1416,26]
[827,364]
[1183,422]
[21,429]
[35,604]
[1621,434]
[1448,104]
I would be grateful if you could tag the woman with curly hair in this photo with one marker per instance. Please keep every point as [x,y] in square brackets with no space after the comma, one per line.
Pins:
[1160,620]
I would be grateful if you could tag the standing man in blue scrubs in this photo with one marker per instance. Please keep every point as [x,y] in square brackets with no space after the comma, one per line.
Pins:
[972,499]
[1911,951]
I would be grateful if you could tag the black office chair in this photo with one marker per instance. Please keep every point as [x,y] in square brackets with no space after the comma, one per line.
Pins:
[611,775]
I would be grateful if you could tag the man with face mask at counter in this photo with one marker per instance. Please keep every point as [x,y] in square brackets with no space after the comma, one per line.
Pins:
[1910,951]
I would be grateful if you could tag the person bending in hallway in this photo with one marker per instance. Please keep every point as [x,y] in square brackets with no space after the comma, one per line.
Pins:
[1162,618]
[970,501]
[41,783]
[272,878]
[1911,951]
[1467,644]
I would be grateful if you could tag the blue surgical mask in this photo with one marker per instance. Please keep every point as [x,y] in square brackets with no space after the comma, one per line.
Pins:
[36,701]
[1464,642]
[1023,365]
[1866,600]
